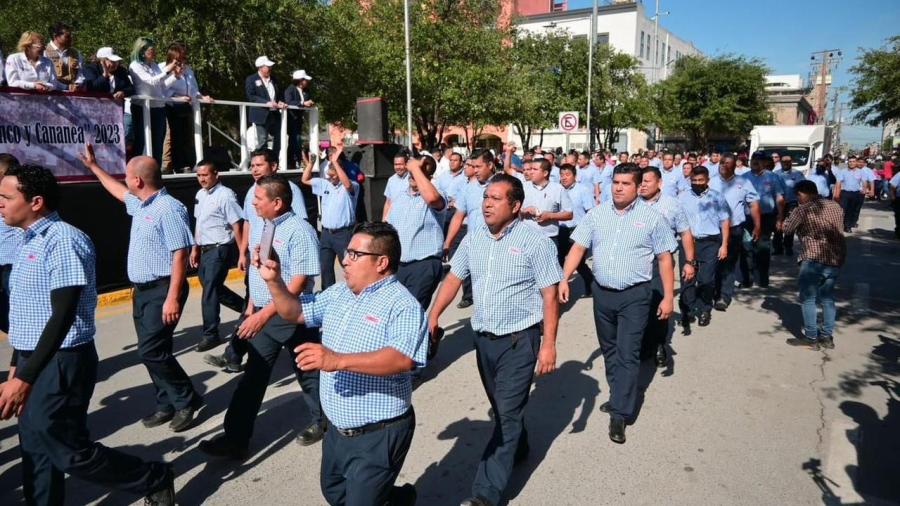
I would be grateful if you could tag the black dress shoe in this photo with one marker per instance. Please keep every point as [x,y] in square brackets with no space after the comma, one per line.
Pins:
[704,319]
[223,448]
[685,326]
[476,501]
[208,344]
[311,435]
[464,303]
[617,430]
[157,419]
[606,407]
[164,496]
[721,305]
[222,363]
[403,496]
[661,357]
[184,418]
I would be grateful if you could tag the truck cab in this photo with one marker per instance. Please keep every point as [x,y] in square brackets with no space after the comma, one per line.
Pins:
[804,144]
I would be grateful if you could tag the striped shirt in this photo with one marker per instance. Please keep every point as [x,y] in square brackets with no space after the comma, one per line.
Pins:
[624,245]
[338,205]
[420,227]
[819,223]
[705,212]
[216,210]
[159,227]
[10,240]
[53,255]
[508,274]
[383,315]
[298,252]
[739,193]
[582,201]
[769,187]
[550,198]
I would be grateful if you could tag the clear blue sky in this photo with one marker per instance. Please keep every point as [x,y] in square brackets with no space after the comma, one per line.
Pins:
[784,33]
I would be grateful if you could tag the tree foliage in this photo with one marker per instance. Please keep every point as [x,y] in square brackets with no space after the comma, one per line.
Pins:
[705,96]
[876,93]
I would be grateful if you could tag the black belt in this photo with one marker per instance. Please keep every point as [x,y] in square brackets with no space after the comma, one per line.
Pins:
[371,427]
[492,336]
[206,247]
[152,284]
[435,257]
[607,289]
[716,237]
[339,229]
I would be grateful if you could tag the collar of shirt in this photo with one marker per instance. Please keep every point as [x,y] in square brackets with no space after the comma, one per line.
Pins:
[211,190]
[503,233]
[377,285]
[149,200]
[624,211]
[654,199]
[282,218]
[41,225]
[535,185]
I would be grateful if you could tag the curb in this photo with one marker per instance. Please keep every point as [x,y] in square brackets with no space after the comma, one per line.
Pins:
[125,295]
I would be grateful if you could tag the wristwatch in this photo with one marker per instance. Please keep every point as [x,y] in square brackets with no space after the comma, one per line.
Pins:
[692,263]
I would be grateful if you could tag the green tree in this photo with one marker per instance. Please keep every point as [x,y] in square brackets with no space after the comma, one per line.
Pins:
[703,96]
[876,93]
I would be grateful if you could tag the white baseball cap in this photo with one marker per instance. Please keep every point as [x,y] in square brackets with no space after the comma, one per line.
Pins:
[107,52]
[301,75]
[264,61]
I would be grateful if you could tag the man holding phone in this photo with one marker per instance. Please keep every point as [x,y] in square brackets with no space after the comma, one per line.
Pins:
[293,241]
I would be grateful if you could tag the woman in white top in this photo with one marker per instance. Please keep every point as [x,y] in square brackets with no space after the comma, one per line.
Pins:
[29,69]
[181,115]
[150,80]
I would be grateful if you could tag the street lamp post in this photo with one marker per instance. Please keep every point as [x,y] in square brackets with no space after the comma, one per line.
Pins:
[409,121]
[593,42]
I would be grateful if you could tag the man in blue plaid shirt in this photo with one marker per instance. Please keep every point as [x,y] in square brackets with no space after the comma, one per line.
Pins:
[373,338]
[514,273]
[54,364]
[10,237]
[158,251]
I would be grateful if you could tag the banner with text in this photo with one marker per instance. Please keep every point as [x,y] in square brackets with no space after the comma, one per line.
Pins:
[52,129]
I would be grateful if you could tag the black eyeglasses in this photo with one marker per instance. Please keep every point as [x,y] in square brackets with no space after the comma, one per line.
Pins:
[355,254]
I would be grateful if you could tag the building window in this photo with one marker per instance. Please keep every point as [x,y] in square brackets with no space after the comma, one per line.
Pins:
[642,44]
[649,57]
[557,5]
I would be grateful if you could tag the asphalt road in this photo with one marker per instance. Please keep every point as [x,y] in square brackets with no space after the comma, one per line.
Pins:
[738,417]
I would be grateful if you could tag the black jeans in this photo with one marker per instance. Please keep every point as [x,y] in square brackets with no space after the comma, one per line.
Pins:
[727,269]
[4,297]
[782,242]
[564,246]
[421,278]
[214,265]
[621,317]
[852,202]
[361,470]
[333,244]
[263,350]
[506,366]
[697,294]
[54,438]
[174,389]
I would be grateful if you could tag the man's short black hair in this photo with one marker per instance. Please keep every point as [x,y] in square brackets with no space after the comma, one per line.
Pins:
[652,170]
[277,186]
[516,192]
[569,167]
[457,155]
[6,161]
[269,155]
[807,187]
[485,155]
[207,162]
[630,168]
[700,170]
[385,241]
[545,165]
[36,181]
[727,156]
[59,28]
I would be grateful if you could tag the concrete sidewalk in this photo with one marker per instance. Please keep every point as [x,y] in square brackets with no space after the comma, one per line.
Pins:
[739,417]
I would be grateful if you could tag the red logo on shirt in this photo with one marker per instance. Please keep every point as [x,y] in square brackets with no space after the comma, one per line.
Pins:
[278,242]
[639,224]
[515,251]
[372,319]
[32,257]
[147,217]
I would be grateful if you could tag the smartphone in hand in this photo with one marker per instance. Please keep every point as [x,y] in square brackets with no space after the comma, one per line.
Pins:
[265,242]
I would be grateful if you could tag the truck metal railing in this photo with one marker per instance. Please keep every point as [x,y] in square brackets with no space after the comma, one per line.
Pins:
[312,115]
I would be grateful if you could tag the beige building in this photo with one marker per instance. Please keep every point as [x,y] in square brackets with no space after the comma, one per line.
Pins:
[788,102]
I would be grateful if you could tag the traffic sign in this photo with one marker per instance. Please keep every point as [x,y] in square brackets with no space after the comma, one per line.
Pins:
[568,121]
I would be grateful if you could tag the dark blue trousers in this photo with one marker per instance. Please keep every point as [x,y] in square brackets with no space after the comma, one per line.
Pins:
[332,244]
[421,278]
[54,438]
[697,294]
[621,317]
[214,265]
[4,297]
[726,271]
[263,350]
[506,366]
[759,253]
[361,470]
[174,389]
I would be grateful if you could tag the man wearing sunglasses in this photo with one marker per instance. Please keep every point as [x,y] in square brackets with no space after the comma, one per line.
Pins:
[373,338]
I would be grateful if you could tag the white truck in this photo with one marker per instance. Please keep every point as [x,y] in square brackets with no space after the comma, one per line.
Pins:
[805,144]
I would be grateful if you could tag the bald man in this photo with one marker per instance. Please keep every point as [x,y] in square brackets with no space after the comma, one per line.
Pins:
[158,251]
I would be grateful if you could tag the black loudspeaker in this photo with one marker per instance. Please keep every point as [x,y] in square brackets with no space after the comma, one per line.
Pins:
[371,119]
[377,163]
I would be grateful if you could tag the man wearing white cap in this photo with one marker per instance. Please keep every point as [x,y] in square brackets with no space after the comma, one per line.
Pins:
[297,94]
[261,88]
[107,76]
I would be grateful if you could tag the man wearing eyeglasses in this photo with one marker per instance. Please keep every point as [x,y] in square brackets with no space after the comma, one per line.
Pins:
[514,274]
[373,338]
[296,245]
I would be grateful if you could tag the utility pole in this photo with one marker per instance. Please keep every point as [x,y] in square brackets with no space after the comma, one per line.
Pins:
[409,120]
[656,16]
[823,60]
[593,42]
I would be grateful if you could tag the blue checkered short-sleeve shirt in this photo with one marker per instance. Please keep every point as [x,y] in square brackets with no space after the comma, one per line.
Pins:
[53,255]
[297,247]
[10,239]
[419,226]
[159,227]
[383,315]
